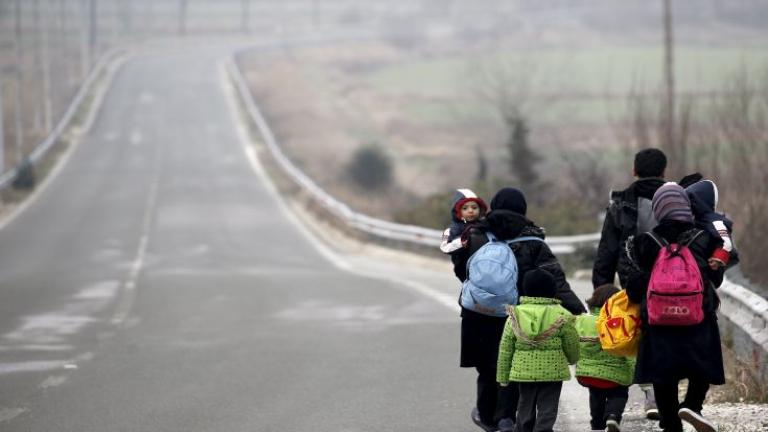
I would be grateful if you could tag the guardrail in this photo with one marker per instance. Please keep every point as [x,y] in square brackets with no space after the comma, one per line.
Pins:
[745,309]
[364,223]
[45,146]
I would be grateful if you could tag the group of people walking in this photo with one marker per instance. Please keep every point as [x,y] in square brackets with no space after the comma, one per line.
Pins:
[522,358]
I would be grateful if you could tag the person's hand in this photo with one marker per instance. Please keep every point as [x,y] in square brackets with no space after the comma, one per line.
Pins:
[715,263]
[503,384]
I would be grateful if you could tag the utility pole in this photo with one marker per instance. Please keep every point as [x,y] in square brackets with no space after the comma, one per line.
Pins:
[19,84]
[2,128]
[678,152]
[182,17]
[45,61]
[245,17]
[93,33]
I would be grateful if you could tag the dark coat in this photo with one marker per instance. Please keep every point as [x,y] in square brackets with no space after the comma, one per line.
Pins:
[672,353]
[620,223]
[481,334]
[703,196]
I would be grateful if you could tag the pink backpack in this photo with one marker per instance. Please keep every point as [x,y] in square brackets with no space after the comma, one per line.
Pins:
[676,290]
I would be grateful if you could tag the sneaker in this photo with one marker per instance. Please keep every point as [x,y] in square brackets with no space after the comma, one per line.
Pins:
[696,420]
[652,414]
[506,425]
[476,420]
[612,424]
[651,411]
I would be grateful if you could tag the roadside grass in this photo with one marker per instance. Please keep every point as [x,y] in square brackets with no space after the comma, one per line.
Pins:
[587,85]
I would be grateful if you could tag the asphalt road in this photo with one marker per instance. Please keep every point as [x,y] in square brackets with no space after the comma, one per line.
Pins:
[157,284]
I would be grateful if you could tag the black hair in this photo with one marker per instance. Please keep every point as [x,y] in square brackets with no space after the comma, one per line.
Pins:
[650,162]
[600,295]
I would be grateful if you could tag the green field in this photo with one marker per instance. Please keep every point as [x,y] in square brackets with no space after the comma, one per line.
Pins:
[592,83]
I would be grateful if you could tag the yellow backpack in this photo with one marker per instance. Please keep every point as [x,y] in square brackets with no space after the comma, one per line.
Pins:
[618,325]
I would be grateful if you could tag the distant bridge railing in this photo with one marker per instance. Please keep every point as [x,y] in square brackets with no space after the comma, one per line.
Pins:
[39,152]
[745,309]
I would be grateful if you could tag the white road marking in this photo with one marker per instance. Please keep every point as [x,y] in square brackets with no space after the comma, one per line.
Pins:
[31,366]
[147,98]
[129,286]
[136,138]
[53,381]
[7,414]
[36,348]
[447,300]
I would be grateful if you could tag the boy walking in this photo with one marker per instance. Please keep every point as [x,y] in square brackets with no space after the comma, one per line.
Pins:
[606,376]
[538,344]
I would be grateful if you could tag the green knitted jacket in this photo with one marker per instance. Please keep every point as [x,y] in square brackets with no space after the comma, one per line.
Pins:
[596,363]
[539,342]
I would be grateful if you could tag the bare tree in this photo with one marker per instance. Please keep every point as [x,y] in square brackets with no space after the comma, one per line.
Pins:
[507,86]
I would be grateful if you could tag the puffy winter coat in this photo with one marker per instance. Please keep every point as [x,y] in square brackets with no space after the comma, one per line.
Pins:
[531,254]
[620,223]
[538,343]
[596,363]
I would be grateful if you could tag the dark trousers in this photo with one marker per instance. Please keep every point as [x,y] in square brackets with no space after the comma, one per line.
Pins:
[603,402]
[537,408]
[487,394]
[668,403]
[493,402]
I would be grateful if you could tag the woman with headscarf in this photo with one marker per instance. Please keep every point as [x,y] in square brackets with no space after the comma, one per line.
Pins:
[480,334]
[671,353]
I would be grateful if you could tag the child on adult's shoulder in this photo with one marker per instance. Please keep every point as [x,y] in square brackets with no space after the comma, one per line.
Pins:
[704,196]
[538,344]
[606,376]
[466,209]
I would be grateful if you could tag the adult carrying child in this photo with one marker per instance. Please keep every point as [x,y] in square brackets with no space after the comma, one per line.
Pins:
[673,351]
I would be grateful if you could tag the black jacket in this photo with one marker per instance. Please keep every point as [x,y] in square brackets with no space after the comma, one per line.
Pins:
[507,225]
[672,353]
[620,223]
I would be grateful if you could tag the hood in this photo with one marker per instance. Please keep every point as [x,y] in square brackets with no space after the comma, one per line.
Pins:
[506,225]
[535,320]
[462,196]
[703,196]
[646,187]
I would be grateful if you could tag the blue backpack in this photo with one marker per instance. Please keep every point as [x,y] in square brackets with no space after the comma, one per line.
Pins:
[492,277]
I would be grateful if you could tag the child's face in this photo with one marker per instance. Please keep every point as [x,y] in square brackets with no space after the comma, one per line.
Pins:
[470,211]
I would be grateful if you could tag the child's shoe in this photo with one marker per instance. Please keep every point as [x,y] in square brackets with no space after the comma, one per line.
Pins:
[476,420]
[696,420]
[612,424]
[506,425]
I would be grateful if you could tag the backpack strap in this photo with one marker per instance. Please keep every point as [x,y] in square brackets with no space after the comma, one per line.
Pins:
[693,238]
[524,238]
[661,241]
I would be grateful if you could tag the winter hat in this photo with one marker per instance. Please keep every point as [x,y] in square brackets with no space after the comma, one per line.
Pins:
[539,283]
[509,198]
[670,202]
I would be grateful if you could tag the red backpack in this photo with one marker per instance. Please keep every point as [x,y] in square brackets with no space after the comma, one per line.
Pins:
[675,291]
